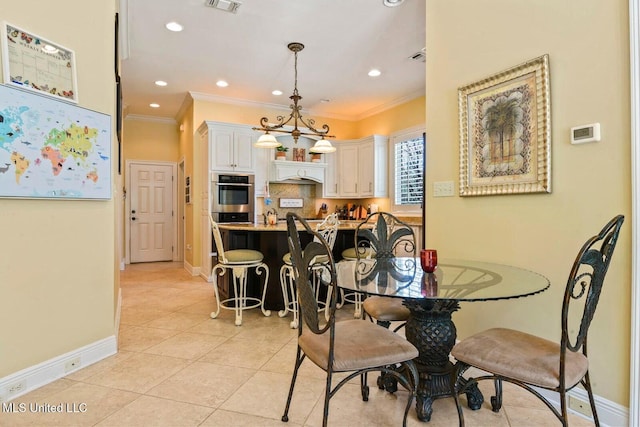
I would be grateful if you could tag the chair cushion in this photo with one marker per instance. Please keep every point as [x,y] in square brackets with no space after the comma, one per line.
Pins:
[386,308]
[359,344]
[322,259]
[242,256]
[350,253]
[521,356]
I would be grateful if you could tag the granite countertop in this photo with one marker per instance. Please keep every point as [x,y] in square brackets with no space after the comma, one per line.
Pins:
[282,225]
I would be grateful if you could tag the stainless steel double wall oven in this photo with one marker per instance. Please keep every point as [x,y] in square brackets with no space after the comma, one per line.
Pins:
[232,198]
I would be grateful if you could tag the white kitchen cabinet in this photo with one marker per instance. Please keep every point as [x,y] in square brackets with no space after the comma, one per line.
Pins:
[372,167]
[359,169]
[225,147]
[331,176]
[348,171]
[231,147]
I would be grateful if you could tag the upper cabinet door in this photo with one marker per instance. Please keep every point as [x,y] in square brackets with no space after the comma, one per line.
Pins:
[331,173]
[243,150]
[348,170]
[232,149]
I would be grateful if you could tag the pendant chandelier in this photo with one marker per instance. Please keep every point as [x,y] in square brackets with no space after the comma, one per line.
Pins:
[269,141]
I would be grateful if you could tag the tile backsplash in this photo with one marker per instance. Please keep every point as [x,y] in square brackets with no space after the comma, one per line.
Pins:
[306,192]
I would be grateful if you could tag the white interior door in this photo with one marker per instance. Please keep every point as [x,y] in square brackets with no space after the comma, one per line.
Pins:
[150,215]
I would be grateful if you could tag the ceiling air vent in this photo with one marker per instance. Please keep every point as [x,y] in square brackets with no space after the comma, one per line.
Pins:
[224,5]
[419,56]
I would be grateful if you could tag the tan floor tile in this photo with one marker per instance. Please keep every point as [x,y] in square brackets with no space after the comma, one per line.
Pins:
[242,353]
[140,338]
[153,411]
[265,395]
[81,405]
[187,345]
[140,314]
[139,373]
[178,321]
[201,383]
[222,418]
[100,366]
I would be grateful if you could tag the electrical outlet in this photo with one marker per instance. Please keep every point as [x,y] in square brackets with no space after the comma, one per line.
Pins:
[443,189]
[17,387]
[580,406]
[72,364]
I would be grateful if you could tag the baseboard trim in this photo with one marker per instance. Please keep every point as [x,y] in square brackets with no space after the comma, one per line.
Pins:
[610,414]
[194,271]
[33,377]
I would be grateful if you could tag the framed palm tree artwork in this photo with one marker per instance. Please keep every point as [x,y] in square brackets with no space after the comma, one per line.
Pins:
[505,132]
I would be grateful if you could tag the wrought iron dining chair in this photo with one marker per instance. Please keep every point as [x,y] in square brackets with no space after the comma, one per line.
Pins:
[347,346]
[530,361]
[239,261]
[383,236]
[328,229]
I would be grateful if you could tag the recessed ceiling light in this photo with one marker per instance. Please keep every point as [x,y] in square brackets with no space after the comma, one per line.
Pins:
[325,100]
[161,83]
[392,3]
[276,92]
[222,83]
[174,26]
[374,73]
[154,105]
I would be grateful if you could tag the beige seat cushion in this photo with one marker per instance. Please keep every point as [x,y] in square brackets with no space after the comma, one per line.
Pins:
[386,308]
[358,344]
[521,356]
[350,253]
[322,259]
[241,256]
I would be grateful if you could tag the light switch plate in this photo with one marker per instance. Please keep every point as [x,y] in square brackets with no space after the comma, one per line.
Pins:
[443,189]
[290,203]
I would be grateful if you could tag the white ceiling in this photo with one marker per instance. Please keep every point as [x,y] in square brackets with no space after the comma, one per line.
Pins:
[343,40]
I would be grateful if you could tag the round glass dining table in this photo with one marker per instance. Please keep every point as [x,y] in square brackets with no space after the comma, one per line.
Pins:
[431,299]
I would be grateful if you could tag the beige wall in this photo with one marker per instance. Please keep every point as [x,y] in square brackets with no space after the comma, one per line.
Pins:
[587,43]
[57,260]
[151,140]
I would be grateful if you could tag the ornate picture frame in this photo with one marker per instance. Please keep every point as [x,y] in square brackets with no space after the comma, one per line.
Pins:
[33,63]
[505,132]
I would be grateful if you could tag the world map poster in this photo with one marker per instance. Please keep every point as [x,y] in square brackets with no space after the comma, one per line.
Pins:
[52,149]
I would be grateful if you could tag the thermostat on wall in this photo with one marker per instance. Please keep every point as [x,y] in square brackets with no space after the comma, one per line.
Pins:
[585,133]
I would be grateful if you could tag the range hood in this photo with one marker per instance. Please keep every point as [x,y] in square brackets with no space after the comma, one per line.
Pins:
[296,172]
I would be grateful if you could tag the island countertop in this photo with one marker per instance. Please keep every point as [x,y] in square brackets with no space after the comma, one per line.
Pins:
[282,225]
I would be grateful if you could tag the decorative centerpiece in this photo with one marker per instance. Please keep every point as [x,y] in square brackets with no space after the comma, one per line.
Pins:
[281,152]
[298,154]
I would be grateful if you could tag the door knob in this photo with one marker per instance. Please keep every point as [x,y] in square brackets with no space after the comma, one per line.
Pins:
[133,211]
[133,218]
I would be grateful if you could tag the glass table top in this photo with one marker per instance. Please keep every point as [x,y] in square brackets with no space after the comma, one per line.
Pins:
[462,280]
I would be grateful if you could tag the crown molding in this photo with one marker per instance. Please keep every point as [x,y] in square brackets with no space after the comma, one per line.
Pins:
[141,118]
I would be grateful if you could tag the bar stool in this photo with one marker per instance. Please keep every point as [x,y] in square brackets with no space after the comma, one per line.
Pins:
[239,261]
[328,229]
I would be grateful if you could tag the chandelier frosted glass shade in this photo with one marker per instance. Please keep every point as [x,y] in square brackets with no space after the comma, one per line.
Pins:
[322,146]
[267,141]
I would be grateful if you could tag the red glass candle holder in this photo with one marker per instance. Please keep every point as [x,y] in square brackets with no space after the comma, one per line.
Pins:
[428,260]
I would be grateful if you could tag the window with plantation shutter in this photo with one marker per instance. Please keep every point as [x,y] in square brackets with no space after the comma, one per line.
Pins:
[408,168]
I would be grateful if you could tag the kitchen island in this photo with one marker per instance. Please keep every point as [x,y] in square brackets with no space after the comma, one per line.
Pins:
[271,240]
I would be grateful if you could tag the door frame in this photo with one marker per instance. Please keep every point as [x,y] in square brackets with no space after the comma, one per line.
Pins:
[634,77]
[127,204]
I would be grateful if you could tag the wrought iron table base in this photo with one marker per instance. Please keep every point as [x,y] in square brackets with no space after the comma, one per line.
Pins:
[432,331]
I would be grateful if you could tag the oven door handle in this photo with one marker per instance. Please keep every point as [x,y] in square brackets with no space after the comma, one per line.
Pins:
[234,185]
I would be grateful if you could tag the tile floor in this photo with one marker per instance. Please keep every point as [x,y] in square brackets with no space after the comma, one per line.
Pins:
[178,367]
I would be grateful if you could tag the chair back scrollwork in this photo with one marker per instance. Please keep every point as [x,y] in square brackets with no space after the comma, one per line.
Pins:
[303,262]
[585,284]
